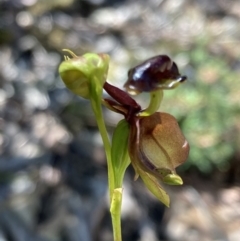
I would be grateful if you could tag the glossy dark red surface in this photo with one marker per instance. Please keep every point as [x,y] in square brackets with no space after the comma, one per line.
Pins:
[158,72]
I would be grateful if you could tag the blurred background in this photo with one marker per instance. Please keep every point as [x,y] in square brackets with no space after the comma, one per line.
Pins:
[53,177]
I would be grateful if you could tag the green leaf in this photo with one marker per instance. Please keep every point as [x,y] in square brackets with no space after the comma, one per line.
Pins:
[154,187]
[119,152]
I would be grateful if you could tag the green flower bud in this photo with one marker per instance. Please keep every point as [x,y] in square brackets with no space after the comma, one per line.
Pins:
[79,71]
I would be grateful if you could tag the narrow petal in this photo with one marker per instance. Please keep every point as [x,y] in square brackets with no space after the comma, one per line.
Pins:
[154,187]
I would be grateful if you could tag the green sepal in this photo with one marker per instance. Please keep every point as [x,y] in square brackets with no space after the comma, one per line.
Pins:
[169,177]
[154,187]
[173,179]
[119,152]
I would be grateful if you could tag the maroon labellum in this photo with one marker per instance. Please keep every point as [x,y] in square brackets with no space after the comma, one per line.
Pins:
[158,72]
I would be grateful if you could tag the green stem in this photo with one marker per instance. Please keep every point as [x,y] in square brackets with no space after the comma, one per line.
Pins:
[115,210]
[96,106]
[155,102]
[115,193]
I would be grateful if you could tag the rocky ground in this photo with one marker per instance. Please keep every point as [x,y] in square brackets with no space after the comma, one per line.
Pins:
[53,179]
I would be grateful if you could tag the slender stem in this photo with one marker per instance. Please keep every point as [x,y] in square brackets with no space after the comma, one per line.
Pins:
[96,105]
[155,102]
[115,193]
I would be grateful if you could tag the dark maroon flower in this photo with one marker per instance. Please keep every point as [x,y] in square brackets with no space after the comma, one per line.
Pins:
[158,72]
